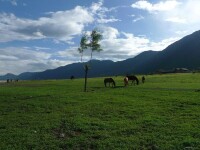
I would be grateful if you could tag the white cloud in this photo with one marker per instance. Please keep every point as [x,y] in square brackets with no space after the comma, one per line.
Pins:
[182,32]
[100,13]
[174,11]
[109,32]
[96,7]
[158,46]
[161,6]
[107,20]
[18,60]
[175,14]
[176,20]
[61,25]
[37,48]
[136,19]
[188,13]
[121,45]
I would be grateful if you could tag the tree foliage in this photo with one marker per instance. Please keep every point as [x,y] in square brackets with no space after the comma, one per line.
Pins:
[90,42]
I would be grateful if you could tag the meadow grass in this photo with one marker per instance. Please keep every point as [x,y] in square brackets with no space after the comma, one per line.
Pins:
[163,113]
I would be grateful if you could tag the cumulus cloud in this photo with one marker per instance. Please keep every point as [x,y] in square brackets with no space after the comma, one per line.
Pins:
[118,46]
[160,6]
[18,60]
[187,13]
[175,14]
[61,25]
[182,12]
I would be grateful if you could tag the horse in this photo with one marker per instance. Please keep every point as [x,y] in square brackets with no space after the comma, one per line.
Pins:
[125,81]
[143,79]
[109,80]
[72,77]
[133,78]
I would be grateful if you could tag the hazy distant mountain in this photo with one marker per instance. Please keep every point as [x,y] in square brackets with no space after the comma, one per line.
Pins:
[98,68]
[27,75]
[184,53]
[8,76]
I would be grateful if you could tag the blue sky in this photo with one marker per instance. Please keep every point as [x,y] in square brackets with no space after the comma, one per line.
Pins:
[38,35]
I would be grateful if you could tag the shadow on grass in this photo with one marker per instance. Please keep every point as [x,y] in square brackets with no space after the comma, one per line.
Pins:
[108,87]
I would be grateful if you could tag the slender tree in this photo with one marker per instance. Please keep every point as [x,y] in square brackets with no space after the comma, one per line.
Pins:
[92,43]
[83,45]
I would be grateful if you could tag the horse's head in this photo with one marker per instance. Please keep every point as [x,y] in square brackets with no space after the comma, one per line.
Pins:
[114,83]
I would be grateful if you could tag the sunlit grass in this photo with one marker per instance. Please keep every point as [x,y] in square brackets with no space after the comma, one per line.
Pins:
[163,113]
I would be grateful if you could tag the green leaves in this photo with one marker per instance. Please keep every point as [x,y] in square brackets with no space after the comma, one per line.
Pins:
[95,38]
[90,42]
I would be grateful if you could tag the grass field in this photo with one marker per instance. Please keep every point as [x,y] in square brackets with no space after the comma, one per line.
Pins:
[163,113]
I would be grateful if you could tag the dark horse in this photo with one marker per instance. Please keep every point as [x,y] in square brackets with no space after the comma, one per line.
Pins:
[109,80]
[133,78]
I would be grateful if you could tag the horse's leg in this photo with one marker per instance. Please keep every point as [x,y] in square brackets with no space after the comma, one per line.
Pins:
[105,84]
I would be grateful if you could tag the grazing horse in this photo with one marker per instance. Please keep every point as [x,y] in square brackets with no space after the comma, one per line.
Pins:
[133,78]
[143,79]
[72,77]
[109,80]
[125,81]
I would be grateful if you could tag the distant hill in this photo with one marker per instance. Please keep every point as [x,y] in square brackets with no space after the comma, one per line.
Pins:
[8,76]
[184,53]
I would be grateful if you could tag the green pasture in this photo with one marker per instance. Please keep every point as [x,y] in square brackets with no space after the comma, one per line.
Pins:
[161,114]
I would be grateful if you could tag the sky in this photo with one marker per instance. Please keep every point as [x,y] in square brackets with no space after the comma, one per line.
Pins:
[36,35]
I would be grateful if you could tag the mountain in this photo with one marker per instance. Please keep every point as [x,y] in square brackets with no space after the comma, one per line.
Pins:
[184,53]
[26,75]
[8,76]
[98,68]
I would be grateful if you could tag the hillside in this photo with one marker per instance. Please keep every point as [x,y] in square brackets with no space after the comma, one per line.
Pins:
[8,76]
[184,53]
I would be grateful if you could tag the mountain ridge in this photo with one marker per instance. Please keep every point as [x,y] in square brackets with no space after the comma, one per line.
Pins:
[184,53]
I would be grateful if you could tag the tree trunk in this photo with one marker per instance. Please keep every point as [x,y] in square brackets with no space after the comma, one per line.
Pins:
[81,57]
[86,72]
[91,56]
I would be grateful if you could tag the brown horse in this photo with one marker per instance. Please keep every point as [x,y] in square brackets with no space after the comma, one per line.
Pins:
[110,81]
[125,81]
[133,78]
